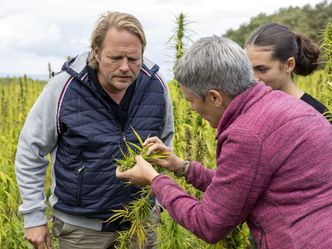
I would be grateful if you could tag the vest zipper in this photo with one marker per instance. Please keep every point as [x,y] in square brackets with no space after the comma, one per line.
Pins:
[79,185]
[110,111]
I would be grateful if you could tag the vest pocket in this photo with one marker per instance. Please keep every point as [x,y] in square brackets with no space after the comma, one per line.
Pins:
[80,173]
[57,227]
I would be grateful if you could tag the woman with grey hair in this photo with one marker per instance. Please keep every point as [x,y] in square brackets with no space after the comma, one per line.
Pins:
[273,162]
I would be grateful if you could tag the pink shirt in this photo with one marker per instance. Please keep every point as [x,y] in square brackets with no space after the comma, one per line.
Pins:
[274,171]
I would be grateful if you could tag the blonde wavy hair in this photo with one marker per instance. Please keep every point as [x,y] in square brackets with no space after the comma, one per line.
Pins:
[121,21]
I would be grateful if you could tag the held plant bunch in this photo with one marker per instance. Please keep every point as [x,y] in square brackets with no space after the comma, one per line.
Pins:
[138,211]
[128,159]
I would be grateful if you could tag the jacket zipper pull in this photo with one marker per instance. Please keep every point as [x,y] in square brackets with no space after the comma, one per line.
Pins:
[81,169]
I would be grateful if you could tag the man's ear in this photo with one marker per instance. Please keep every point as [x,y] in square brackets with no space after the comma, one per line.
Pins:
[215,97]
[290,64]
[96,54]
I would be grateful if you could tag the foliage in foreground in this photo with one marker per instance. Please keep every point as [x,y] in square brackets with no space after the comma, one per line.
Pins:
[137,212]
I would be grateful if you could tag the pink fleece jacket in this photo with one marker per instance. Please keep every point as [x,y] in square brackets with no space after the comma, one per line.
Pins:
[274,171]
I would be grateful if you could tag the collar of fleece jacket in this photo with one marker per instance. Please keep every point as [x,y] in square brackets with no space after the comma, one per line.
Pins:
[240,104]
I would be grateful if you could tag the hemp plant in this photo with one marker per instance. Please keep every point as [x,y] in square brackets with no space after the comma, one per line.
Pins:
[137,212]
[327,46]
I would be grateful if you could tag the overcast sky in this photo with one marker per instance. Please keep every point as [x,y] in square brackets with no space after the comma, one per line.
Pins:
[35,32]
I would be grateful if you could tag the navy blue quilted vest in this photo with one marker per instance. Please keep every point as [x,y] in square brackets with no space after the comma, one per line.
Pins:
[89,142]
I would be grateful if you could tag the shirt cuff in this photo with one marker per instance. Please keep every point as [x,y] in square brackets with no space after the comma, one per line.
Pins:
[33,219]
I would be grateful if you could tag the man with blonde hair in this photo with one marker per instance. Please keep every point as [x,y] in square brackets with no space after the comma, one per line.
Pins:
[82,118]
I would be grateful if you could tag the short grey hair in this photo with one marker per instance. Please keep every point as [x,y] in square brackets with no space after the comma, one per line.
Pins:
[215,63]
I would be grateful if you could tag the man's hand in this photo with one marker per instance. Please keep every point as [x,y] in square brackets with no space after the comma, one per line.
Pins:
[38,236]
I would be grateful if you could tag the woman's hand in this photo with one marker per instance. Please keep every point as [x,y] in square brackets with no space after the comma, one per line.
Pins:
[171,162]
[141,174]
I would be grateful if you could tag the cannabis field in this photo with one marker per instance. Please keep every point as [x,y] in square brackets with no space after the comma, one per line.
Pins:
[194,139]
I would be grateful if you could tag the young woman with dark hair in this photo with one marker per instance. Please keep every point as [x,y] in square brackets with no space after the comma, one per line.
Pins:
[277,54]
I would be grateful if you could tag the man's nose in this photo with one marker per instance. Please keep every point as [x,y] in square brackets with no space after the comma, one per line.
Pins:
[124,64]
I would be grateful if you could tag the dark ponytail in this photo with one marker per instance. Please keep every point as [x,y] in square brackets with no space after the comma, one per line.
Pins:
[285,44]
[307,57]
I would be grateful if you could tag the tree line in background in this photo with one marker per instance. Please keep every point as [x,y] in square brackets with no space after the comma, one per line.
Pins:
[309,20]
